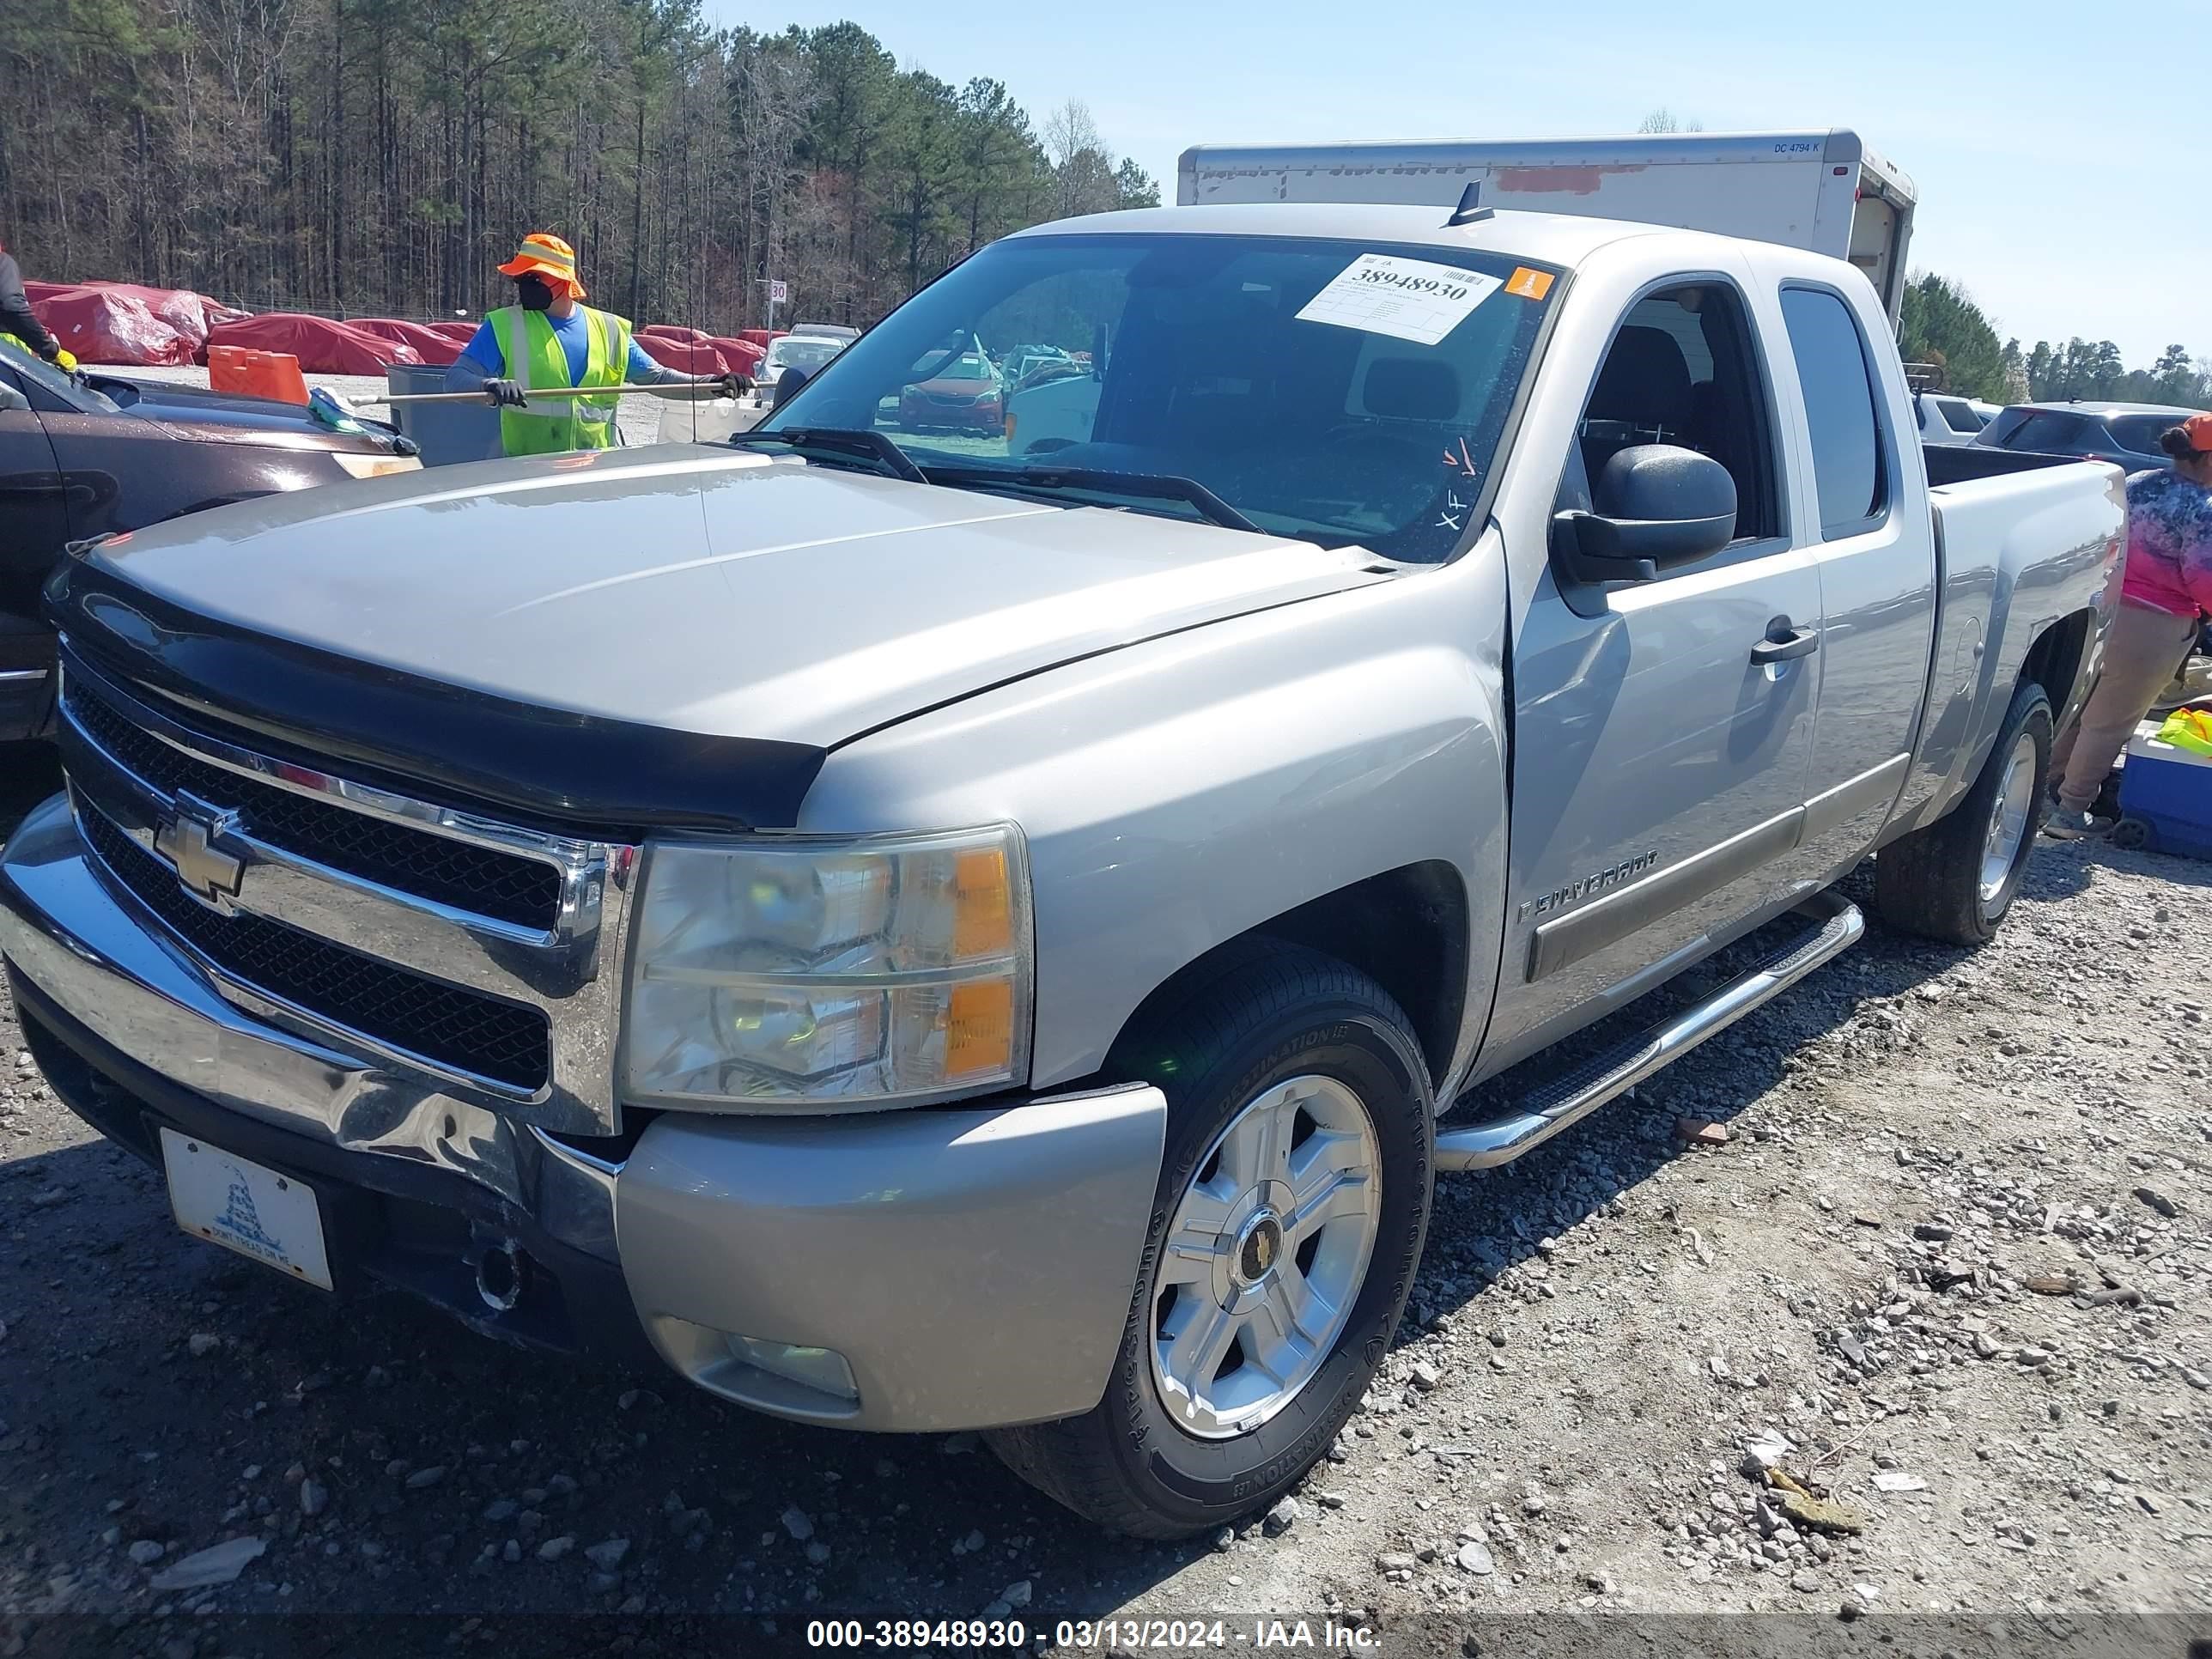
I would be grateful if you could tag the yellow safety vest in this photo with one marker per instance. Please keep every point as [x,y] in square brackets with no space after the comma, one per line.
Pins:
[536,362]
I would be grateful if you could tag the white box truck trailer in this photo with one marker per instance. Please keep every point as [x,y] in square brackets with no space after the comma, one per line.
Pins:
[1822,190]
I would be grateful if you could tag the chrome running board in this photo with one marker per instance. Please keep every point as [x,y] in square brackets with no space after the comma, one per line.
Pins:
[1572,1095]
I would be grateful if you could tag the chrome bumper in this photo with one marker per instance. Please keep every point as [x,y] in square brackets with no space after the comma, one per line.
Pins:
[973,1267]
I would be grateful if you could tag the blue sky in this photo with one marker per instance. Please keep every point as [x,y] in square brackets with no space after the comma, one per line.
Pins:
[2038,134]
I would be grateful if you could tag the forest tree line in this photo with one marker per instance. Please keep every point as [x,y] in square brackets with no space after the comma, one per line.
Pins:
[380,157]
[1944,329]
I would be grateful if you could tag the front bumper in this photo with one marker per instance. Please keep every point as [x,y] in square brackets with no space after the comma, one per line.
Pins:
[972,1267]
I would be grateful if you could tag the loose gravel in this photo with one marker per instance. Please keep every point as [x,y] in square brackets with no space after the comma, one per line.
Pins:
[1893,1298]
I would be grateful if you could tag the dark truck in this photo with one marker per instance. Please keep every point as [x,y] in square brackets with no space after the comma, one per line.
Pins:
[93,454]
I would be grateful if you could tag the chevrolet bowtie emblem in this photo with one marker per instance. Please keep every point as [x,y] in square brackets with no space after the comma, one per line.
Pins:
[189,841]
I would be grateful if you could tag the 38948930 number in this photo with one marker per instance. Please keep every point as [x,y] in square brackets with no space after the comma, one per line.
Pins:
[1409,283]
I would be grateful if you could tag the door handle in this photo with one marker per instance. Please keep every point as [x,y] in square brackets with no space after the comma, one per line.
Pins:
[1783,643]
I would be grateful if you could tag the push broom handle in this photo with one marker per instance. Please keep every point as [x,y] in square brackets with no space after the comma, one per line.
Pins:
[478,396]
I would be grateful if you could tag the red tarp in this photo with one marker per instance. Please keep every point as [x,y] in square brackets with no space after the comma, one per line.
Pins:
[742,354]
[322,346]
[706,355]
[126,322]
[430,341]
[103,326]
[692,358]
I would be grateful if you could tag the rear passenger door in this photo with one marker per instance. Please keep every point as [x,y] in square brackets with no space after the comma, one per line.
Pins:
[1862,500]
[1660,754]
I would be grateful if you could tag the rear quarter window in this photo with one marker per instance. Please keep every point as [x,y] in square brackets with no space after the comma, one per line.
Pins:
[1841,417]
[2049,431]
[2139,434]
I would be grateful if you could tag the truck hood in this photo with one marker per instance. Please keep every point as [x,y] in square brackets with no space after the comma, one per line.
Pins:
[694,590]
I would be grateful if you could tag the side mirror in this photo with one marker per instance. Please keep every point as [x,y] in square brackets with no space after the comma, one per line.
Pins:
[786,384]
[1657,507]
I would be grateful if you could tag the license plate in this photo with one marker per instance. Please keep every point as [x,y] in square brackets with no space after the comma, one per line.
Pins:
[222,1197]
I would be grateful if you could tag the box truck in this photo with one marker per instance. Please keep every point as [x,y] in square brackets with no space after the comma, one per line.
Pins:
[1824,192]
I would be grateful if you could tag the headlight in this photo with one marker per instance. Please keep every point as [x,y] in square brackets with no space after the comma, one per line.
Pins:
[831,973]
[375,466]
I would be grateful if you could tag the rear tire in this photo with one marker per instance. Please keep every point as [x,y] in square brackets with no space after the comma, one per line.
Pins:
[1266,1027]
[1955,878]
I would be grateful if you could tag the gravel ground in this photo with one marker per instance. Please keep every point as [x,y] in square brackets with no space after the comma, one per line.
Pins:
[1946,1262]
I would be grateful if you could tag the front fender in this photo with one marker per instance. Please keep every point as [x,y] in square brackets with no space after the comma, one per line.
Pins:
[1181,792]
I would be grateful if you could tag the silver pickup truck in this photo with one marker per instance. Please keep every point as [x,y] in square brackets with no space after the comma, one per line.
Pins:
[929,922]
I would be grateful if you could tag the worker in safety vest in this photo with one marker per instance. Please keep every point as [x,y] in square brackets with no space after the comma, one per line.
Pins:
[547,340]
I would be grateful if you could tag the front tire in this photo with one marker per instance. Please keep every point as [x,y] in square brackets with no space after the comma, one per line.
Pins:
[1955,879]
[1293,1204]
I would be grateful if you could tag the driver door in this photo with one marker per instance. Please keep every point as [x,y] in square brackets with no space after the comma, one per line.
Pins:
[1662,748]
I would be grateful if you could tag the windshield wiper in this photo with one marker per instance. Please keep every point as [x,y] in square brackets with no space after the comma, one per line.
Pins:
[1155,486]
[842,440]
[868,446]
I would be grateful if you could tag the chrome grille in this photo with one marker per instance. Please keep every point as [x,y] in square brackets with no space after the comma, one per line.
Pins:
[522,890]
[465,1029]
[483,953]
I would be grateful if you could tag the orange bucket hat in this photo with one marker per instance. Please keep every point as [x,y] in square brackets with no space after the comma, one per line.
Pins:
[550,258]
[2199,428]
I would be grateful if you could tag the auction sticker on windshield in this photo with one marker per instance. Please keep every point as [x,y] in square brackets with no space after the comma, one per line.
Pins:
[1407,299]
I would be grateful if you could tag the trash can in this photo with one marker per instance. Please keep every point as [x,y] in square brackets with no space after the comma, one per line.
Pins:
[445,433]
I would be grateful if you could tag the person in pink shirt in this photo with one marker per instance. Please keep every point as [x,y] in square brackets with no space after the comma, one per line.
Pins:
[2166,594]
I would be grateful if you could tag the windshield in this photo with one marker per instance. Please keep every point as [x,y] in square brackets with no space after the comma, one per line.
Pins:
[2139,434]
[36,371]
[1338,391]
[792,352]
[966,366]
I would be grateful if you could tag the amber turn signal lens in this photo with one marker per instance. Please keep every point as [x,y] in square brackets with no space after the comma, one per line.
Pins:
[979,1030]
[983,920]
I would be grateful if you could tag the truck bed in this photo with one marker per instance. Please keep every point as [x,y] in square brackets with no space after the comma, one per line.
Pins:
[1951,464]
[1987,503]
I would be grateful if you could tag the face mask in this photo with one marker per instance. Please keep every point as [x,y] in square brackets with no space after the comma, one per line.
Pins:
[533,292]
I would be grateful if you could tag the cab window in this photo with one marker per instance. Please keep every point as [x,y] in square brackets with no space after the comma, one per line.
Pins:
[1682,370]
[1842,419]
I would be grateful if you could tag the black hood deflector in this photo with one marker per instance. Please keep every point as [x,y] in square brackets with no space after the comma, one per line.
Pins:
[547,766]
